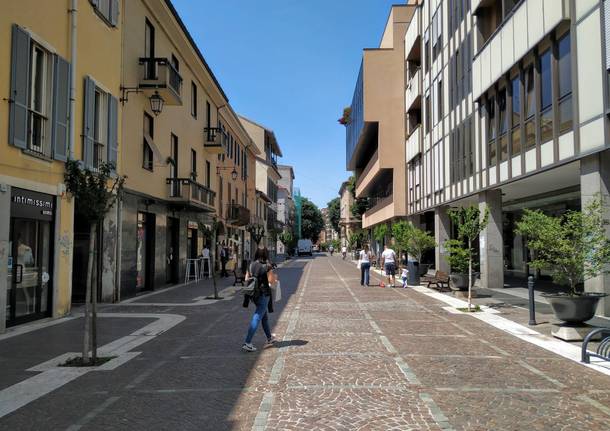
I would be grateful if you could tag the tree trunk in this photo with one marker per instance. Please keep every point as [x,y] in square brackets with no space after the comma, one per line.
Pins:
[94,283]
[87,334]
[469,274]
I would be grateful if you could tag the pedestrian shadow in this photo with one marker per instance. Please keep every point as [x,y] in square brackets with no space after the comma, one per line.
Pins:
[290,343]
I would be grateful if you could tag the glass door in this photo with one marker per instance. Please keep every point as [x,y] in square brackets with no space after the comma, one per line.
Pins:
[29,278]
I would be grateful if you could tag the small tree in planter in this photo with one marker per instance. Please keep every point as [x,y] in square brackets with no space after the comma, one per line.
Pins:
[95,192]
[419,243]
[573,248]
[402,232]
[470,223]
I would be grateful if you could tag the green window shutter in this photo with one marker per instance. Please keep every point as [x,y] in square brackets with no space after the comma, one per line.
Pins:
[20,71]
[61,108]
[88,122]
[113,143]
[114,12]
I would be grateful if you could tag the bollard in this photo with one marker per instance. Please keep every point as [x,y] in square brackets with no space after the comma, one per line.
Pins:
[530,288]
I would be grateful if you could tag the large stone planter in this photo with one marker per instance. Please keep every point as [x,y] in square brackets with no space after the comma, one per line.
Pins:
[574,309]
[458,281]
[423,269]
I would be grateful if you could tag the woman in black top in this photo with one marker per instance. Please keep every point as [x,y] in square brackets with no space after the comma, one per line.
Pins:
[261,297]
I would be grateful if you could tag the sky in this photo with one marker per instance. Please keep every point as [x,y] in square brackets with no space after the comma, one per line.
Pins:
[292,66]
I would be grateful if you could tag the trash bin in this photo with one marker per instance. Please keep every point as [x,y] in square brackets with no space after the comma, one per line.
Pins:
[413,276]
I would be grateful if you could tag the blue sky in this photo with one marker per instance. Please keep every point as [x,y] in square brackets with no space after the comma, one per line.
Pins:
[291,65]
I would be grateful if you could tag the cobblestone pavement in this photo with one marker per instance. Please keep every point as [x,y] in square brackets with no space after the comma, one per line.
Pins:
[349,358]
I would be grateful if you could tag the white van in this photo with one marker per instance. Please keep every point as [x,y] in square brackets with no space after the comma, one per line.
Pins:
[305,246]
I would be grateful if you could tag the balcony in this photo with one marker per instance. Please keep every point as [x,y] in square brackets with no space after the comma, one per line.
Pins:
[188,194]
[238,215]
[414,144]
[522,29]
[381,211]
[159,75]
[212,140]
[368,173]
[413,38]
[413,91]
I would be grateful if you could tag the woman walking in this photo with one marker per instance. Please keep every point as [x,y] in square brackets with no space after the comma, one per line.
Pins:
[261,297]
[365,265]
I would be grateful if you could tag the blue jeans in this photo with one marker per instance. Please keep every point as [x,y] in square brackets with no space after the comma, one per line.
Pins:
[365,268]
[259,314]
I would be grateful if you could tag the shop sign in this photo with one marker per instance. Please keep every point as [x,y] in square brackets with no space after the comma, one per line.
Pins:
[193,224]
[33,205]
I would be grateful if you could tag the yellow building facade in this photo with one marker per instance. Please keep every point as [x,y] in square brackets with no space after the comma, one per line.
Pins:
[46,48]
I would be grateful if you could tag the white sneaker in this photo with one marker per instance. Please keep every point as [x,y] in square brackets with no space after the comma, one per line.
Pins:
[271,341]
[248,347]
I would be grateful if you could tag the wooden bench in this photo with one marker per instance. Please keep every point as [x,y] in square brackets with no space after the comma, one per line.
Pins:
[240,277]
[439,280]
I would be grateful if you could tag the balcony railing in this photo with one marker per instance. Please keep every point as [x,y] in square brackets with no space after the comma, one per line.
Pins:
[367,168]
[378,203]
[413,91]
[190,193]
[159,75]
[414,144]
[238,215]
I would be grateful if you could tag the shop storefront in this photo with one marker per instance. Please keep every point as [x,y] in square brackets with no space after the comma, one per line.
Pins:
[30,256]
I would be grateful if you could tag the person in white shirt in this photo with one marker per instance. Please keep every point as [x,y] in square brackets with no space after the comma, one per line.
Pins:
[205,255]
[388,261]
[344,251]
[365,265]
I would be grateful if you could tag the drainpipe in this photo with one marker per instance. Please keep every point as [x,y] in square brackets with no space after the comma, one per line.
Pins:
[73,38]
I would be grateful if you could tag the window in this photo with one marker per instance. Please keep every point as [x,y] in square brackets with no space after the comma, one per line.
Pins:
[149,50]
[516,115]
[503,127]
[39,105]
[147,153]
[175,63]
[427,114]
[193,99]
[491,131]
[208,117]
[564,69]
[546,97]
[439,99]
[100,125]
[193,164]
[173,166]
[107,9]
[208,173]
[530,108]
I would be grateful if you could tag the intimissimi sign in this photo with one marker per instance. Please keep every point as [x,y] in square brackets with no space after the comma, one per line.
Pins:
[30,204]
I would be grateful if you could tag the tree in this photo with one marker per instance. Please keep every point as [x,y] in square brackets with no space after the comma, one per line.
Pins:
[312,221]
[380,232]
[402,231]
[419,243]
[573,247]
[334,213]
[356,239]
[360,206]
[209,234]
[470,223]
[95,192]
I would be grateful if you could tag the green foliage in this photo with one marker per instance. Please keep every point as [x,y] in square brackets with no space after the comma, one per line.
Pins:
[419,243]
[573,247]
[312,222]
[285,238]
[380,232]
[257,232]
[351,185]
[469,222]
[458,256]
[360,206]
[334,213]
[95,191]
[356,239]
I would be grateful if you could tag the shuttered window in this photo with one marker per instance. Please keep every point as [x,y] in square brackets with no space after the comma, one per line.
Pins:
[100,126]
[39,98]
[108,10]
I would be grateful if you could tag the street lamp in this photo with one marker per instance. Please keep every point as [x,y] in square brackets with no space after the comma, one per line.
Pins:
[234,173]
[156,103]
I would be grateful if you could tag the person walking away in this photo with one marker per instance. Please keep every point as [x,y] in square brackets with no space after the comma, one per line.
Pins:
[331,249]
[261,297]
[365,266]
[205,254]
[388,261]
[344,252]
[224,257]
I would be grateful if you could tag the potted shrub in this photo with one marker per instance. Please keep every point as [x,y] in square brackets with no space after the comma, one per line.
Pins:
[458,258]
[470,222]
[346,117]
[573,248]
[420,242]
